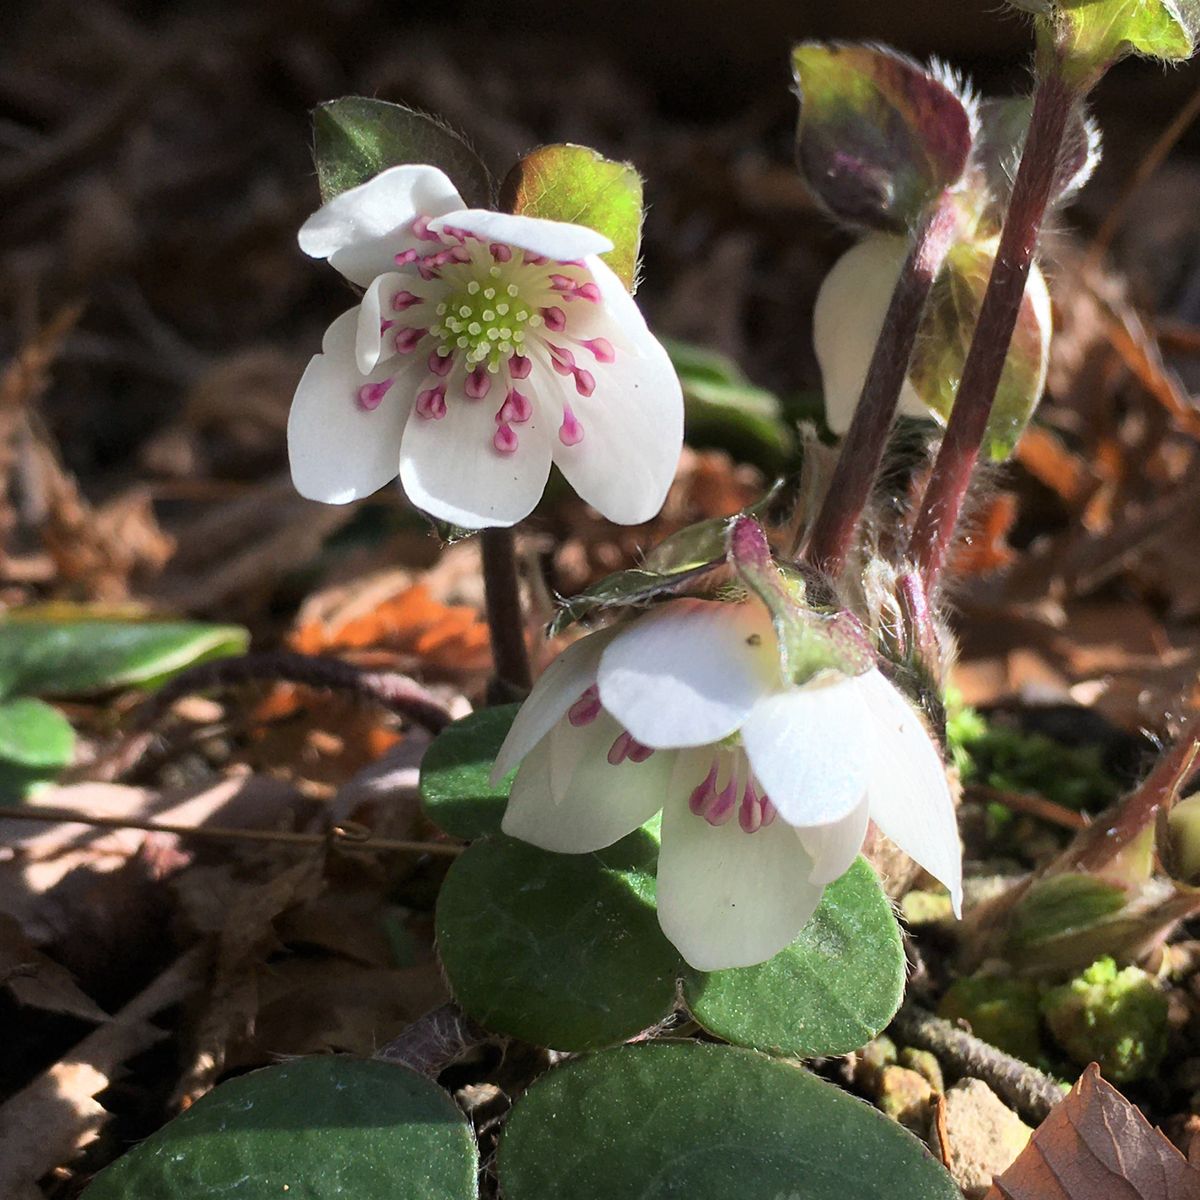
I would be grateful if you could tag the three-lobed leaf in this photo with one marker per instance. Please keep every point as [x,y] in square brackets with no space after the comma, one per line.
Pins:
[357,137]
[580,186]
[879,137]
[672,1119]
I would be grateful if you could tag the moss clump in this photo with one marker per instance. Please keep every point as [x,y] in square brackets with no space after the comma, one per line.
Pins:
[1115,1018]
[1001,1011]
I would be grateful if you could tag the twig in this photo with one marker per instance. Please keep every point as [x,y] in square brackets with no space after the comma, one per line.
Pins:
[431,1043]
[1026,1088]
[347,834]
[1030,803]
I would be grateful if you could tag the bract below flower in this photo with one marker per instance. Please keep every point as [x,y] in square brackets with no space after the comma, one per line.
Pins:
[486,347]
[765,787]
[848,319]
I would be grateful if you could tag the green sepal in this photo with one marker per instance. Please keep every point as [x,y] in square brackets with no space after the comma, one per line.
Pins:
[580,186]
[355,138]
[946,331]
[809,641]
[879,136]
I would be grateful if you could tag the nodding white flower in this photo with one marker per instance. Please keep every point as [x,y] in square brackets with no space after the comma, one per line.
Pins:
[848,319]
[486,346]
[765,787]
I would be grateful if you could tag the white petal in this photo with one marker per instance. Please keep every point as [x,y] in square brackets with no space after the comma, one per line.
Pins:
[361,230]
[555,239]
[908,793]
[632,422]
[689,671]
[568,798]
[557,688]
[376,306]
[835,846]
[847,320]
[451,469]
[339,451]
[728,898]
[810,751]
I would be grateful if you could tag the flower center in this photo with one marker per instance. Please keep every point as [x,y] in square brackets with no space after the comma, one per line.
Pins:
[484,316]
[730,787]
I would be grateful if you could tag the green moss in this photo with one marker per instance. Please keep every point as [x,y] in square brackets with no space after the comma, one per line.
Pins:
[1115,1018]
[1001,1011]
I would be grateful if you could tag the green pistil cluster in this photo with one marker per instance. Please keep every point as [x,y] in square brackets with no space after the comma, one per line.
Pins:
[488,321]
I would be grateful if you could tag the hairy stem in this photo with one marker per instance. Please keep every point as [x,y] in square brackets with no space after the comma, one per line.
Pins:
[1032,190]
[863,446]
[509,652]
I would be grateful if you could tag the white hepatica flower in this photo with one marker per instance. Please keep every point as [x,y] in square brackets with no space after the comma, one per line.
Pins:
[848,319]
[766,788]
[486,346]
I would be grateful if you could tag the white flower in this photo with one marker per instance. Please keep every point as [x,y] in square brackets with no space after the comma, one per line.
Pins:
[766,788]
[848,318]
[486,346]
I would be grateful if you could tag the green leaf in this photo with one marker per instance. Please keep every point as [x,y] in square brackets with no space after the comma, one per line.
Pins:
[1094,34]
[69,657]
[562,950]
[809,641]
[723,408]
[668,1120]
[36,742]
[831,991]
[355,138]
[456,793]
[879,136]
[315,1128]
[946,331]
[578,185]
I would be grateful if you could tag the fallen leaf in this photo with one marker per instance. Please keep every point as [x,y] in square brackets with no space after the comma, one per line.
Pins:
[1095,1145]
[36,980]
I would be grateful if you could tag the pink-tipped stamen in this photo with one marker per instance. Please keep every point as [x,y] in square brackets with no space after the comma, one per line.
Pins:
[585,381]
[500,252]
[403,300]
[555,318]
[516,408]
[601,349]
[478,383]
[586,709]
[420,228]
[561,359]
[699,800]
[637,752]
[431,403]
[370,395]
[440,364]
[618,752]
[408,339]
[405,257]
[570,432]
[505,439]
[519,366]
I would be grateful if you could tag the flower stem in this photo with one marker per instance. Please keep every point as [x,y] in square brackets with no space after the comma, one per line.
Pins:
[1053,101]
[509,652]
[862,449]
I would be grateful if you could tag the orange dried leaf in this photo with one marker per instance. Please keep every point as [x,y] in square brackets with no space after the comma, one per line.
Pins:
[1095,1145]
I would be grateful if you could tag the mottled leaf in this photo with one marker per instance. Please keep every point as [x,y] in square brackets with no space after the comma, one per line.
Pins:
[879,136]
[356,138]
[578,185]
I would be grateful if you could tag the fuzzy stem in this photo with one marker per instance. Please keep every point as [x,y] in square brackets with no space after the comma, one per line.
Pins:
[509,652]
[1032,190]
[863,446]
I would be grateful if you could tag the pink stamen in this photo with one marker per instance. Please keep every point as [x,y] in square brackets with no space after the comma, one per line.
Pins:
[534,260]
[385,325]
[478,384]
[618,752]
[585,382]
[699,799]
[500,252]
[637,752]
[586,709]
[516,408]
[750,812]
[555,318]
[440,364]
[602,349]
[769,812]
[562,283]
[432,403]
[519,367]
[405,257]
[505,439]
[408,339]
[570,432]
[403,300]
[370,395]
[721,808]
[588,291]
[420,228]
[561,359]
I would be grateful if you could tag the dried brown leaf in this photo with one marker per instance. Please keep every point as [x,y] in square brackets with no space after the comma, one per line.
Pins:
[1095,1145]
[36,980]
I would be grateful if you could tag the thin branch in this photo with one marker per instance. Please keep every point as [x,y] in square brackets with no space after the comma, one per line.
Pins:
[342,836]
[505,621]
